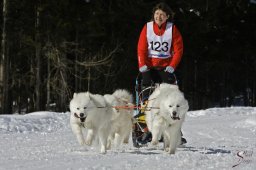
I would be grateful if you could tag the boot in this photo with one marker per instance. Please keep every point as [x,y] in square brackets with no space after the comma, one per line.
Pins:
[146,137]
[183,140]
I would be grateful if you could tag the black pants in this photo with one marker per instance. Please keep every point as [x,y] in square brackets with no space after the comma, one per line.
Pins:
[157,76]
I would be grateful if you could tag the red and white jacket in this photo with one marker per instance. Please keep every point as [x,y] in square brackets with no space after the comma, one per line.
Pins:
[160,47]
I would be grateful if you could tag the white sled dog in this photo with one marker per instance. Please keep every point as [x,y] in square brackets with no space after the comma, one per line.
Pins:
[167,108]
[90,111]
[122,117]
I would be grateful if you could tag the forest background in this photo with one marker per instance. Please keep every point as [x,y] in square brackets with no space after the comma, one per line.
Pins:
[51,49]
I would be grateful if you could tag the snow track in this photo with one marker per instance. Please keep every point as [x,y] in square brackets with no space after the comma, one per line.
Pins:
[218,138]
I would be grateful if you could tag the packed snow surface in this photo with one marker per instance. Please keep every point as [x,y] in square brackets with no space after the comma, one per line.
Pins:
[218,138]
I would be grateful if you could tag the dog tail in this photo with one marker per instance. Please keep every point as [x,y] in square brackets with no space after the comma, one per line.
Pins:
[123,95]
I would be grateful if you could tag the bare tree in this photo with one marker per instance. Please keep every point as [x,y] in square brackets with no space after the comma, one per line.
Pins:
[101,62]
[57,85]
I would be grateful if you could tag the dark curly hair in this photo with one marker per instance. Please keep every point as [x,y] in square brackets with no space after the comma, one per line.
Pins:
[164,7]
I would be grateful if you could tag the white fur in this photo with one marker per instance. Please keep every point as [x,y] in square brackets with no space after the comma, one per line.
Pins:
[169,99]
[121,122]
[97,119]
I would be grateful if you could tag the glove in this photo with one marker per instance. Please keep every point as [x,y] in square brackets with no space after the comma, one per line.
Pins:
[143,69]
[169,69]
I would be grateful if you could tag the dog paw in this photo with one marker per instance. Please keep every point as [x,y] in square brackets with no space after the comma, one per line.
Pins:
[103,150]
[167,150]
[170,151]
[154,142]
[108,146]
[81,142]
[88,142]
[125,142]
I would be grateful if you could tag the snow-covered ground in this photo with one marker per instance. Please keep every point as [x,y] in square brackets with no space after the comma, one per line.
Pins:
[218,138]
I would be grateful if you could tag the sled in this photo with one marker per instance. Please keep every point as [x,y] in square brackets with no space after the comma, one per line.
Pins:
[140,133]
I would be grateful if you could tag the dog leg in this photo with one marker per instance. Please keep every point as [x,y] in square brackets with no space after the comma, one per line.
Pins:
[110,139]
[103,143]
[156,134]
[126,140]
[166,142]
[103,136]
[103,149]
[89,137]
[117,140]
[77,130]
[127,136]
[109,143]
[175,136]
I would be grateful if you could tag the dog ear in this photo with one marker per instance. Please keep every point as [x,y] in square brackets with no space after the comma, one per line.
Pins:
[74,95]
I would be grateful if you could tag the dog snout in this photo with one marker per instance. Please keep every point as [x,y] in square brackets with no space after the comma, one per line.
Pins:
[174,113]
[81,114]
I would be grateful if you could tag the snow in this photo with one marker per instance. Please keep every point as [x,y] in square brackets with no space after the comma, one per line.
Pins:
[218,138]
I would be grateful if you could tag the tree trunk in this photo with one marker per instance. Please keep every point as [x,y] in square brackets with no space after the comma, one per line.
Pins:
[77,82]
[38,61]
[63,85]
[5,103]
[48,86]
